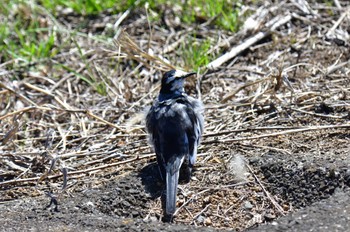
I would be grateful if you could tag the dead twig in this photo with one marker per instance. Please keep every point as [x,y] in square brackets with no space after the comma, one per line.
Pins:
[123,40]
[231,95]
[271,198]
[320,115]
[69,110]
[18,94]
[337,23]
[85,171]
[311,128]
[273,24]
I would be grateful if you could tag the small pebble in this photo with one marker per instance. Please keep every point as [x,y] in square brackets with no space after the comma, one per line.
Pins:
[247,205]
[270,217]
[200,219]
[207,221]
[153,219]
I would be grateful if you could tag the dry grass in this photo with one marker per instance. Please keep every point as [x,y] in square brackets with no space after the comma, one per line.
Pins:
[294,82]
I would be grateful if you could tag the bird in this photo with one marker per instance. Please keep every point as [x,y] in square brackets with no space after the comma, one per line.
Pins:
[175,124]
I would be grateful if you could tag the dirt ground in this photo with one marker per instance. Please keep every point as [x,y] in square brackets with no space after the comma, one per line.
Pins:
[275,155]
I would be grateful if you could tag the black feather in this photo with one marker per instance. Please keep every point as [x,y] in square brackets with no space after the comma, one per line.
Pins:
[175,125]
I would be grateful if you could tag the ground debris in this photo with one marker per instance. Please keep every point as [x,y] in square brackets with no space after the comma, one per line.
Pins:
[276,126]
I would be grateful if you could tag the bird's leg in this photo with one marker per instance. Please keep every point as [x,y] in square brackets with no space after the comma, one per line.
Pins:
[186,171]
[190,168]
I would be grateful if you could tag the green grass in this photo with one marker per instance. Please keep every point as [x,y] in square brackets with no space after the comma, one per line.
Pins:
[28,32]
[195,53]
[225,11]
[23,34]
[90,7]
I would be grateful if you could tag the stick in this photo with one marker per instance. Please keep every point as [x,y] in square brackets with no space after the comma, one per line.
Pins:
[86,112]
[211,134]
[273,201]
[320,115]
[18,94]
[337,23]
[189,200]
[311,128]
[32,179]
[276,22]
[59,101]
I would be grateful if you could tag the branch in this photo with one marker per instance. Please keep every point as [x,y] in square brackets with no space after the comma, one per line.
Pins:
[275,23]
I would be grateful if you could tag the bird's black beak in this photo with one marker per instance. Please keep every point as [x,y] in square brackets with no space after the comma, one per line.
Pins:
[182,74]
[190,74]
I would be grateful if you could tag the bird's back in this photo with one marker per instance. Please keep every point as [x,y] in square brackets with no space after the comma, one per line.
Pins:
[171,124]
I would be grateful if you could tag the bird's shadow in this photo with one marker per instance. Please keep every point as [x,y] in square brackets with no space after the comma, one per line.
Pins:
[155,186]
[152,180]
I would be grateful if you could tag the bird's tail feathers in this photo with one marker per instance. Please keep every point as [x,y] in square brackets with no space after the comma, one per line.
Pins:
[172,179]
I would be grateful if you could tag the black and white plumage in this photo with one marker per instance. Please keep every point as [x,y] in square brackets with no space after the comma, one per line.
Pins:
[175,124]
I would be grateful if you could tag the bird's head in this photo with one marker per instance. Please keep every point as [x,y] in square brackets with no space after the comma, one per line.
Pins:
[173,82]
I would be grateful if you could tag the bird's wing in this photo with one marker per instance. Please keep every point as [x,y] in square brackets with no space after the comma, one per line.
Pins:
[195,130]
[152,128]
